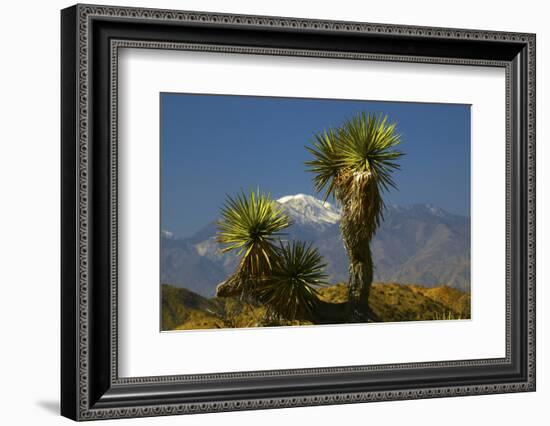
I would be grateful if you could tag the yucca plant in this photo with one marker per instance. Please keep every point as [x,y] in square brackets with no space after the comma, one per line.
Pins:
[354,164]
[250,225]
[290,290]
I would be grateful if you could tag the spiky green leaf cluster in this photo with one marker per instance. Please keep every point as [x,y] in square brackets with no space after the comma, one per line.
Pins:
[250,220]
[250,225]
[365,144]
[326,163]
[290,290]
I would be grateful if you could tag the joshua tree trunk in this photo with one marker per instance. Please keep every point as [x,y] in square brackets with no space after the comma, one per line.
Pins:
[360,269]
[360,280]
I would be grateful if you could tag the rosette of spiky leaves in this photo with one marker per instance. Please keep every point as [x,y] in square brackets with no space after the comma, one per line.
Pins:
[326,163]
[354,163]
[368,154]
[290,290]
[250,225]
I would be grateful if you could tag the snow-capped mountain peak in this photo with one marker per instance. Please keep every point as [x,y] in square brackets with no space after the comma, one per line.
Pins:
[305,209]
[167,234]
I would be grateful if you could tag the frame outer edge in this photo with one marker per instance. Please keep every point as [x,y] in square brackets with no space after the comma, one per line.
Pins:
[68,181]
[83,207]
[83,13]
[531,200]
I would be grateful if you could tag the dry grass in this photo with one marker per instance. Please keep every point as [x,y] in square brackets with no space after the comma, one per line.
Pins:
[390,302]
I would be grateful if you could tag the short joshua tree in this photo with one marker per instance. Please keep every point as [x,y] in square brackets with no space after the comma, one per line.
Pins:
[290,292]
[250,225]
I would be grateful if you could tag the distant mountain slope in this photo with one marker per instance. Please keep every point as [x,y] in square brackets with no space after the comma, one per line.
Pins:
[180,262]
[183,309]
[419,244]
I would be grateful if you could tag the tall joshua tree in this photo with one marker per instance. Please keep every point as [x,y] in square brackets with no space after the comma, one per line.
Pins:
[354,163]
[250,225]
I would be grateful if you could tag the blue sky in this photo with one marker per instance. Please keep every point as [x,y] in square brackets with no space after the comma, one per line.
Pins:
[213,145]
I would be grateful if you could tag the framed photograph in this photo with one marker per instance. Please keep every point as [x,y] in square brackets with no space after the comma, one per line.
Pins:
[263,212]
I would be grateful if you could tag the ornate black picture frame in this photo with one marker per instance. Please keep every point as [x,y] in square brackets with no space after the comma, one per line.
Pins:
[91,387]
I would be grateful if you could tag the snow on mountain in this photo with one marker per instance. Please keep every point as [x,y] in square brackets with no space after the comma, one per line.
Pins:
[167,234]
[306,209]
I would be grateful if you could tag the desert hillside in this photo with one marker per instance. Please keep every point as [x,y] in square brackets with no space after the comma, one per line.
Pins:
[183,309]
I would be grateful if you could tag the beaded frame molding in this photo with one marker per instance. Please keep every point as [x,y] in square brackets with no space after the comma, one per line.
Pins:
[91,38]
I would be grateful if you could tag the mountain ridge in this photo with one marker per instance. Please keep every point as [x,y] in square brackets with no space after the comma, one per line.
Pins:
[417,243]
